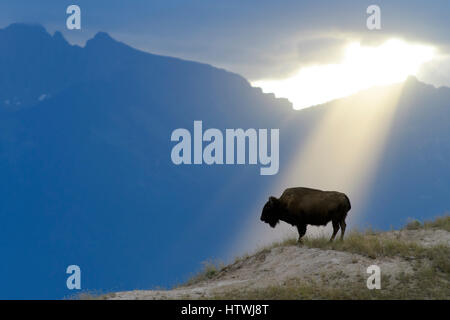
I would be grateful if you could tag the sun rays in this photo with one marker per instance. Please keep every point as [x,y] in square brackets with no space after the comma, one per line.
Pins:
[341,153]
[362,67]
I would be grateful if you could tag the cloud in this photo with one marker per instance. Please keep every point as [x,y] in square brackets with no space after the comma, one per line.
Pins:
[436,72]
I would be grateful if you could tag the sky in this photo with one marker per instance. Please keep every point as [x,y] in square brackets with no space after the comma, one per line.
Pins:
[257,39]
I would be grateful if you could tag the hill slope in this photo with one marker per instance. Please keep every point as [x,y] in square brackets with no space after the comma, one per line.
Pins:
[414,264]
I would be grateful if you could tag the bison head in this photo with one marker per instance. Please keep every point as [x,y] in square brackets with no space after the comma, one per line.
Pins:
[270,212]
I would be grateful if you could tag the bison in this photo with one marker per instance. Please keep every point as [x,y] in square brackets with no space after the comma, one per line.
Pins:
[302,206]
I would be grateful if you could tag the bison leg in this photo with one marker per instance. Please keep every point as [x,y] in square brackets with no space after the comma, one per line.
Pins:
[301,232]
[343,225]
[335,230]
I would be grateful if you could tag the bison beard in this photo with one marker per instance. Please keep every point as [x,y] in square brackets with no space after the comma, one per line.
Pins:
[302,206]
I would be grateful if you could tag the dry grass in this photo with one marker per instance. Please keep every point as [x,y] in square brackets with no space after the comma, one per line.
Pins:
[368,243]
[439,223]
[429,281]
[377,246]
[91,295]
[209,271]
[374,245]
[423,284]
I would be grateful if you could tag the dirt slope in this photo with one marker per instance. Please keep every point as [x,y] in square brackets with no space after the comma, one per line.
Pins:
[279,271]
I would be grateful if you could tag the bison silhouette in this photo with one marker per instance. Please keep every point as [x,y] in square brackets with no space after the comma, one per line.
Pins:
[302,206]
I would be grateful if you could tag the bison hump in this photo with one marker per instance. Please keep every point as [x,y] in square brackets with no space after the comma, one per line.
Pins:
[311,199]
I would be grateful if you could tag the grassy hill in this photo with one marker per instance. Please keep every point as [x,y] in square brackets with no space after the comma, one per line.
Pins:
[414,263]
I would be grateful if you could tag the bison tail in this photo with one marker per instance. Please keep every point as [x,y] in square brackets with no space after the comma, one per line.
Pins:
[348,201]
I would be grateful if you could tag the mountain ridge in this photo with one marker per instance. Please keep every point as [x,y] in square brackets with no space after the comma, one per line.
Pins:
[81,63]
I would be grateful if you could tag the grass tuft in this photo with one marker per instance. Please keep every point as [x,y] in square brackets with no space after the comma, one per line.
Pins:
[210,269]
[91,295]
[438,223]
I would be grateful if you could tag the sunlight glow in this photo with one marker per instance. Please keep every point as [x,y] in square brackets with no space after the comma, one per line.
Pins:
[362,67]
[341,153]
